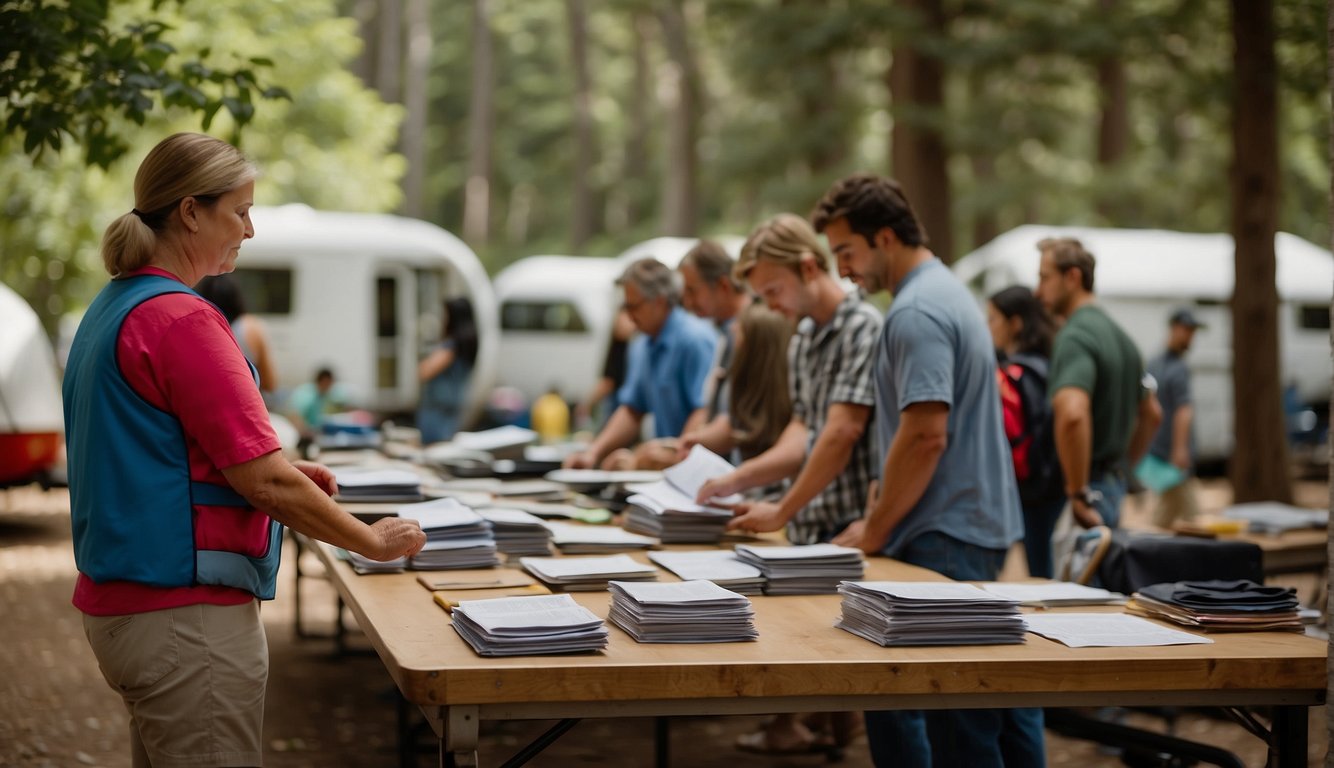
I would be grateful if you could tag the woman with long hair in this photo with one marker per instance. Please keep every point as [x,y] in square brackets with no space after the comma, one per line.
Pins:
[445,372]
[1022,331]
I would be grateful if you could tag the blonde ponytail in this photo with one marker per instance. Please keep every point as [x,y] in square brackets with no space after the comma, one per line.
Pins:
[127,245]
[180,166]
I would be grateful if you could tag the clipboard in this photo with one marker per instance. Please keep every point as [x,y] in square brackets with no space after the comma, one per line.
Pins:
[494,579]
[449,599]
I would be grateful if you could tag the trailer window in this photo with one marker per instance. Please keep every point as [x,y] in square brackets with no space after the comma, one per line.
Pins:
[266,291]
[542,316]
[1313,317]
[386,331]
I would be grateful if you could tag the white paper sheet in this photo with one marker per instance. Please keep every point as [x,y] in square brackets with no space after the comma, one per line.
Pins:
[1106,630]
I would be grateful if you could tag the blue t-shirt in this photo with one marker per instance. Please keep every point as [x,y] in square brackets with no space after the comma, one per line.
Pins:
[935,347]
[1173,376]
[666,373]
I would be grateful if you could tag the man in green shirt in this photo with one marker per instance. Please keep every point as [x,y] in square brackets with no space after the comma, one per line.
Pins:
[1103,406]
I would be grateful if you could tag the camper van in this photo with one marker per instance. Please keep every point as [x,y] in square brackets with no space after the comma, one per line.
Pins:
[557,310]
[1143,274]
[362,294]
[32,423]
[556,314]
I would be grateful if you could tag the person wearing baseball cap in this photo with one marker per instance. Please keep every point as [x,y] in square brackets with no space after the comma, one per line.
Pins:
[1169,465]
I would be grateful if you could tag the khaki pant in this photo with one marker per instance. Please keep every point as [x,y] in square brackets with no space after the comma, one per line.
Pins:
[1177,504]
[193,680]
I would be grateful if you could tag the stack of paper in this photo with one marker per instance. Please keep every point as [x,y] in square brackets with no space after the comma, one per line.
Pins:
[667,509]
[717,565]
[1220,606]
[1053,594]
[363,484]
[517,532]
[585,574]
[521,626]
[681,612]
[815,569]
[1106,630]
[573,539]
[363,565]
[1275,518]
[929,613]
[537,490]
[501,442]
[456,537]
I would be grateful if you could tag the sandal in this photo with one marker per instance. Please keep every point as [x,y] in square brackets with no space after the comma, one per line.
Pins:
[760,743]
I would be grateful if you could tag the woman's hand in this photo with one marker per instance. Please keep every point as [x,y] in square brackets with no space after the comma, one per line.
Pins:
[397,537]
[322,476]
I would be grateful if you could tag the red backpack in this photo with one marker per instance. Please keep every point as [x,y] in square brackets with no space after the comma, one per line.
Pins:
[1027,418]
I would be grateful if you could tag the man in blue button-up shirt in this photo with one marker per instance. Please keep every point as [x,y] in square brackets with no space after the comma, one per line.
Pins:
[669,363]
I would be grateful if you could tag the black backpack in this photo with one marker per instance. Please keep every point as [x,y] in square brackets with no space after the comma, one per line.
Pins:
[1045,481]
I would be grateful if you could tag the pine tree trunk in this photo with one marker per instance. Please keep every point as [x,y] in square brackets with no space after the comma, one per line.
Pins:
[581,204]
[679,203]
[1329,547]
[415,100]
[481,118]
[1113,118]
[634,187]
[389,50]
[917,149]
[1259,466]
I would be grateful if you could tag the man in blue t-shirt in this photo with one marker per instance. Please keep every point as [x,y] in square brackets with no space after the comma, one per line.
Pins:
[669,363]
[947,498]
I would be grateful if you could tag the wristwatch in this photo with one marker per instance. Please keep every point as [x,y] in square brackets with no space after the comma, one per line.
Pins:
[1086,496]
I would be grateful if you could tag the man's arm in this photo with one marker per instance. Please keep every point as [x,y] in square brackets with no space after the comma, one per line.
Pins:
[620,431]
[1072,419]
[1149,417]
[715,435]
[910,463]
[298,497]
[829,457]
[783,459]
[1181,436]
[696,420]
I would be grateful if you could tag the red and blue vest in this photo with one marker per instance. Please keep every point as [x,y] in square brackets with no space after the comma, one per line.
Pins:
[132,501]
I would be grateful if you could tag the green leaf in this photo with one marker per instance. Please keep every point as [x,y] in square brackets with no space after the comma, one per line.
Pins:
[210,109]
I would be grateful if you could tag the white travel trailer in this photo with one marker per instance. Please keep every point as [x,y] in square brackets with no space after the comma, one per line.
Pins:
[1143,274]
[362,294]
[556,314]
[32,422]
[555,322]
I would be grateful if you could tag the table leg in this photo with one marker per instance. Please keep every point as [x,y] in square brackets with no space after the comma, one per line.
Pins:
[1287,740]
[458,744]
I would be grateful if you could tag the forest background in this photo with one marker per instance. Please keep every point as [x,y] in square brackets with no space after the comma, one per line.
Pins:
[570,126]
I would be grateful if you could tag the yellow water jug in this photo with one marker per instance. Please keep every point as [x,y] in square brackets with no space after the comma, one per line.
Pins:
[551,417]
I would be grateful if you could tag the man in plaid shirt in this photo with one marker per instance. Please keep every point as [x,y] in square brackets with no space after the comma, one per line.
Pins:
[827,445]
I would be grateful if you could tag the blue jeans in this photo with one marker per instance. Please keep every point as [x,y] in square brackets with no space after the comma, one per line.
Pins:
[970,738]
[1039,522]
[1113,488]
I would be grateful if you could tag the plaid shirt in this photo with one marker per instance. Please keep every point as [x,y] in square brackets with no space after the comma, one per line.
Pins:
[831,364]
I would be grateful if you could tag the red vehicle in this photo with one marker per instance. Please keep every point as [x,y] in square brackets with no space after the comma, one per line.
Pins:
[32,423]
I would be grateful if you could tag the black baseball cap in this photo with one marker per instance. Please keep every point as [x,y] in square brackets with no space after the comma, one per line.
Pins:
[1183,316]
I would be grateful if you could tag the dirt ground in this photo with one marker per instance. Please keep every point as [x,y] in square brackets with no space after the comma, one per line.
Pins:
[331,709]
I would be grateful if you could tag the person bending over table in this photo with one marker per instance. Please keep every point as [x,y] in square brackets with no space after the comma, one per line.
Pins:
[947,500]
[667,364]
[826,444]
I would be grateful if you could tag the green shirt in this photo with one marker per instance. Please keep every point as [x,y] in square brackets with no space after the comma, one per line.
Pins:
[1092,353]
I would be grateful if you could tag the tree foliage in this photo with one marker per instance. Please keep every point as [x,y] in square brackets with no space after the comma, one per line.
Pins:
[330,146]
[793,93]
[67,72]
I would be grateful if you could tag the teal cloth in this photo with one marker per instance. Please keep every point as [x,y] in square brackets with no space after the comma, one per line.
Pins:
[1158,475]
